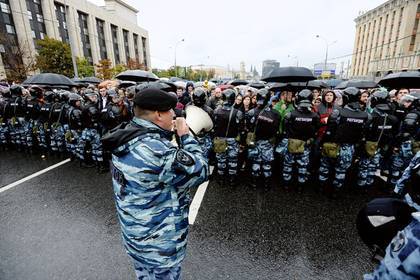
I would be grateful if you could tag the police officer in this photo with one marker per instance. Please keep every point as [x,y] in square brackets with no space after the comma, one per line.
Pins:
[115,111]
[379,138]
[262,124]
[152,180]
[4,117]
[391,229]
[74,117]
[346,127]
[227,129]
[301,126]
[199,97]
[43,127]
[15,111]
[90,135]
[58,122]
[408,135]
[32,111]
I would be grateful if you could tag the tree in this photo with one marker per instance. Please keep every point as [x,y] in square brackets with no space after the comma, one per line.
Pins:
[17,61]
[134,64]
[84,68]
[54,56]
[104,69]
[118,69]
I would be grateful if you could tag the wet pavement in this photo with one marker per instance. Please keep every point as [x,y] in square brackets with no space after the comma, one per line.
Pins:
[63,225]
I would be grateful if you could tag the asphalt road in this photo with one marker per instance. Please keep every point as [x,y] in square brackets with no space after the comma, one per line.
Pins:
[63,225]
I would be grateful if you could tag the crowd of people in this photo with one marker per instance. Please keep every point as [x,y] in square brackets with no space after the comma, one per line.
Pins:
[303,133]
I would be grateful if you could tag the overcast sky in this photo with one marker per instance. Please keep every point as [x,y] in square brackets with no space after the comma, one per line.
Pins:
[226,32]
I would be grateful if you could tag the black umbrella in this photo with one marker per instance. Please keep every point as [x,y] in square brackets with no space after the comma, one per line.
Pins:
[137,76]
[166,86]
[289,74]
[79,83]
[332,83]
[238,82]
[49,79]
[126,84]
[362,84]
[91,80]
[401,80]
[257,85]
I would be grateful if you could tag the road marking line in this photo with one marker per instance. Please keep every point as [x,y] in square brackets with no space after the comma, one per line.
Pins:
[8,187]
[198,198]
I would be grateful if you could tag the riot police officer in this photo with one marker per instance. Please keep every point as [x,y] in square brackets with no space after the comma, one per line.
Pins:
[58,122]
[346,127]
[199,97]
[301,126]
[43,127]
[15,112]
[228,126]
[408,186]
[4,128]
[379,138]
[32,111]
[262,124]
[115,112]
[91,130]
[74,117]
[407,139]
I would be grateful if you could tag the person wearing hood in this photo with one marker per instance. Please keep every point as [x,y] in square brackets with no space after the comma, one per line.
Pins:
[379,138]
[152,179]
[324,109]
[301,126]
[346,127]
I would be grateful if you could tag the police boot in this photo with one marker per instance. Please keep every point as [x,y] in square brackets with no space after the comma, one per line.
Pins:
[336,193]
[102,167]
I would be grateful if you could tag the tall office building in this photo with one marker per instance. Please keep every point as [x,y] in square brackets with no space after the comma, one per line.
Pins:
[387,39]
[96,32]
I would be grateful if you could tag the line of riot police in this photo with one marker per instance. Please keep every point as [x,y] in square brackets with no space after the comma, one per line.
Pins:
[60,122]
[308,141]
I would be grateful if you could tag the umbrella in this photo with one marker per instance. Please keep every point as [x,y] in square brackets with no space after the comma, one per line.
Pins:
[332,83]
[175,79]
[256,85]
[401,80]
[126,84]
[49,79]
[238,82]
[137,76]
[362,84]
[111,83]
[91,80]
[181,84]
[289,74]
[79,83]
[166,86]
[198,84]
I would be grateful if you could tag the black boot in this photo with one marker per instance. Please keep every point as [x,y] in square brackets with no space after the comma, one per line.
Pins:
[232,181]
[254,182]
[267,183]
[300,187]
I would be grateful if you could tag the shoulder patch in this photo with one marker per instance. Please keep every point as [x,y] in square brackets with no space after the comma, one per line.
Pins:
[183,158]
[398,242]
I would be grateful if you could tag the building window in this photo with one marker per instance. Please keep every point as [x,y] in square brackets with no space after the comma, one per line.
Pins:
[5,8]
[10,29]
[136,47]
[36,20]
[101,38]
[126,46]
[60,13]
[84,35]
[143,41]
[114,32]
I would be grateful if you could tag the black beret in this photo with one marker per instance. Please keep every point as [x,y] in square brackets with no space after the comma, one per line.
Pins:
[155,100]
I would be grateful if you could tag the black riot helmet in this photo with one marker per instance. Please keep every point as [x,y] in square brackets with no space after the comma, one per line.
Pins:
[16,90]
[263,96]
[73,98]
[36,91]
[351,95]
[199,97]
[49,96]
[228,96]
[380,220]
[6,92]
[416,102]
[380,99]
[304,98]
[64,96]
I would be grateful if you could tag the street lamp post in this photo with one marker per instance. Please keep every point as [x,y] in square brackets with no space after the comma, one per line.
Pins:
[326,50]
[176,45]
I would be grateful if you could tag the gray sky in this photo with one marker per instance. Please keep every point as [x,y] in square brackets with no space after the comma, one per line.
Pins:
[226,32]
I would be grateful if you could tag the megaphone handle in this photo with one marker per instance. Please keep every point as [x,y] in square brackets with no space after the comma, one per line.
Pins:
[178,140]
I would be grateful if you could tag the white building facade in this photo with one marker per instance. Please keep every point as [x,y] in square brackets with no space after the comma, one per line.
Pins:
[94,32]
